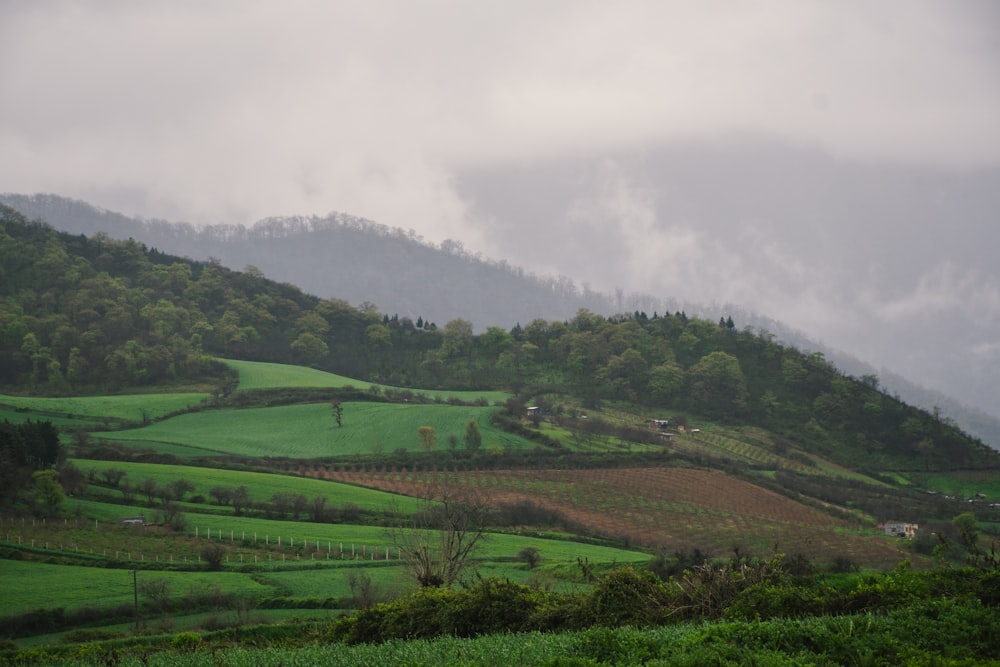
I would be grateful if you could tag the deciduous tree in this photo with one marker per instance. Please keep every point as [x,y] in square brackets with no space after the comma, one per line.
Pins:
[438,541]
[428,438]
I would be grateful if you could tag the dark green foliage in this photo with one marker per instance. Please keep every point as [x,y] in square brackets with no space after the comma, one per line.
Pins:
[740,589]
[530,556]
[31,444]
[213,555]
[630,597]
[24,448]
[82,314]
[298,603]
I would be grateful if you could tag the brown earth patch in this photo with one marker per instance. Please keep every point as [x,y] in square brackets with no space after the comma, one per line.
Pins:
[671,509]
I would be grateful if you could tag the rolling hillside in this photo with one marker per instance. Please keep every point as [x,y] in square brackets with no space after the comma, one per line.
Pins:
[242,427]
[360,261]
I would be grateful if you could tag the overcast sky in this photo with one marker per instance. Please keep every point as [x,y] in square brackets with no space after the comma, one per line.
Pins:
[810,160]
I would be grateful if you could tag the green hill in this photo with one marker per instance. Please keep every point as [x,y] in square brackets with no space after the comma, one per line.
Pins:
[220,402]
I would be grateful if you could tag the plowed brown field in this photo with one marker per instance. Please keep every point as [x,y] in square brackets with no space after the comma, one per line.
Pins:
[663,508]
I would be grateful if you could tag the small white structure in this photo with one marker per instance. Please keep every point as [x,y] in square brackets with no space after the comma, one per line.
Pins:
[900,529]
[132,521]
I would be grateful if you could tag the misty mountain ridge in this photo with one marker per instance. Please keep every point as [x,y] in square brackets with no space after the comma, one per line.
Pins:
[346,257]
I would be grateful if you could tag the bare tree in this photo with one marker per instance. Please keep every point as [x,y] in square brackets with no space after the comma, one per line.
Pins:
[438,541]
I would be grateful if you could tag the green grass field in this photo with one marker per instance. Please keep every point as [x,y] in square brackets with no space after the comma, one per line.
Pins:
[128,407]
[261,485]
[63,423]
[309,431]
[261,375]
[962,484]
[32,585]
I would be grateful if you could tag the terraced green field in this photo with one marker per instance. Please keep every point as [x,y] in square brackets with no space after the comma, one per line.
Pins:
[309,431]
[127,407]
[261,375]
[31,585]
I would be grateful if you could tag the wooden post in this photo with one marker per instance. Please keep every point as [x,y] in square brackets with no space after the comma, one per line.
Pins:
[135,593]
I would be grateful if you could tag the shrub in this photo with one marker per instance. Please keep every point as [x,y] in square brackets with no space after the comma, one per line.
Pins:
[531,556]
[185,641]
[628,597]
[707,589]
[213,554]
[81,635]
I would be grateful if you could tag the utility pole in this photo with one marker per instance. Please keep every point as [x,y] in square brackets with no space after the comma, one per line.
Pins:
[135,595]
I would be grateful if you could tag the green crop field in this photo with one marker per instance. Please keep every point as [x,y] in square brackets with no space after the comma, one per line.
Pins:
[21,415]
[28,585]
[309,431]
[326,537]
[260,485]
[962,484]
[129,407]
[261,375]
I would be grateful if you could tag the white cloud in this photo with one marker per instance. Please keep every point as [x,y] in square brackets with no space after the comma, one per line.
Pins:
[943,290]
[252,109]
[231,111]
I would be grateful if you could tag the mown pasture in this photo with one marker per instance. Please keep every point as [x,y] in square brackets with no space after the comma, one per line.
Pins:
[33,585]
[263,375]
[963,484]
[21,415]
[308,431]
[125,407]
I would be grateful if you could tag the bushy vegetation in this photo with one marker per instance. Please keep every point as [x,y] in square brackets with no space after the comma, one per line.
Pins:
[742,589]
[939,617]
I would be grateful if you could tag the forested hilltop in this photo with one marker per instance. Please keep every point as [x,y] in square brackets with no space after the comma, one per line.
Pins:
[344,257]
[83,315]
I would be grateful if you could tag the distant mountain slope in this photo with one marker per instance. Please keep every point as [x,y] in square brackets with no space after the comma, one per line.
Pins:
[345,257]
[350,258]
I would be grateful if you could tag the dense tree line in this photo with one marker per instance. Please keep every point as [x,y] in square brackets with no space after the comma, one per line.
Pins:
[25,448]
[84,314]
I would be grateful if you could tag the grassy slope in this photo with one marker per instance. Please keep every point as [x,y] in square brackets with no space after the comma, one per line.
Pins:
[308,430]
[128,407]
[261,375]
[28,585]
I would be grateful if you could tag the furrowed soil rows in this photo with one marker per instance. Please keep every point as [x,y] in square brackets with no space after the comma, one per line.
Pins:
[664,508]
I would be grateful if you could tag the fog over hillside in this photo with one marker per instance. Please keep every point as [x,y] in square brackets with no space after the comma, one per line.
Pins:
[834,166]
[345,257]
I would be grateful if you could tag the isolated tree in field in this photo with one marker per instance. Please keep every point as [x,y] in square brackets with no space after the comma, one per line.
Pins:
[531,556]
[428,438]
[437,542]
[473,438]
[337,408]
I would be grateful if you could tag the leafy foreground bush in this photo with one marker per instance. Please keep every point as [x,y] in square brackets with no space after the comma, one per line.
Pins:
[944,632]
